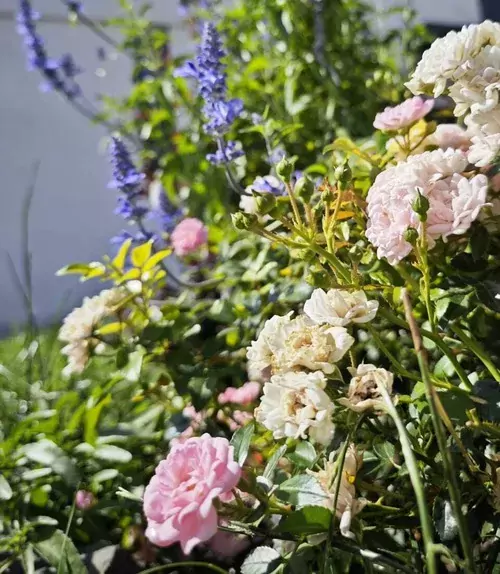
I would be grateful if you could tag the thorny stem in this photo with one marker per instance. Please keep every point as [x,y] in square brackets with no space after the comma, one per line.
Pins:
[450,472]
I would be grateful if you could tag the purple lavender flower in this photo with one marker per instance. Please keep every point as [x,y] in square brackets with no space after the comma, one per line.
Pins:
[276,155]
[208,70]
[267,184]
[226,153]
[58,74]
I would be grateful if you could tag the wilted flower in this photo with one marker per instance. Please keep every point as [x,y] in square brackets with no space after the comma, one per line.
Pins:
[403,115]
[189,235]
[286,344]
[84,500]
[296,405]
[78,327]
[454,200]
[347,503]
[363,393]
[244,395]
[179,500]
[337,307]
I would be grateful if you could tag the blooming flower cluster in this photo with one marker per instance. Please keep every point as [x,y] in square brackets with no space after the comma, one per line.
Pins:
[219,111]
[466,65]
[293,355]
[59,73]
[454,201]
[179,500]
[78,327]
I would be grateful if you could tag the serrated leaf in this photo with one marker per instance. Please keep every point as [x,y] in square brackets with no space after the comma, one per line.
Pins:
[304,455]
[141,254]
[5,489]
[302,490]
[263,560]
[112,453]
[307,520]
[241,442]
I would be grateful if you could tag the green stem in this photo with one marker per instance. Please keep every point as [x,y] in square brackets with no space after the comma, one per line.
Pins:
[416,481]
[449,471]
[477,350]
[188,564]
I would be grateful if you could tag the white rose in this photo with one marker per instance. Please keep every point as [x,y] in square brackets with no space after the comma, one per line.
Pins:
[337,307]
[295,405]
[286,344]
[363,393]
[347,503]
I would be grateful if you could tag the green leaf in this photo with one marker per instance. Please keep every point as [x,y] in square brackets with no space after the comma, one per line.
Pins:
[132,371]
[263,560]
[121,256]
[273,462]
[141,254]
[60,552]
[105,474]
[241,442]
[444,368]
[5,489]
[302,490]
[35,473]
[304,455]
[74,269]
[112,453]
[92,418]
[307,520]
[48,453]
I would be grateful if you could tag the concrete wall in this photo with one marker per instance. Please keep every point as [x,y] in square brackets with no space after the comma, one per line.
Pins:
[72,217]
[72,214]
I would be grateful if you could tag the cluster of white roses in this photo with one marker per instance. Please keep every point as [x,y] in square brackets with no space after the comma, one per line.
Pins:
[78,327]
[466,66]
[294,356]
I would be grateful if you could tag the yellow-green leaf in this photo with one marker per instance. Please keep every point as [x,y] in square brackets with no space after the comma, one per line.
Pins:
[119,260]
[141,254]
[75,269]
[156,258]
[111,328]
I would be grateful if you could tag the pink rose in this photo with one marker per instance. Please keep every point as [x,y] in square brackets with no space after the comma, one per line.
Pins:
[245,395]
[188,236]
[84,499]
[403,115]
[450,135]
[179,500]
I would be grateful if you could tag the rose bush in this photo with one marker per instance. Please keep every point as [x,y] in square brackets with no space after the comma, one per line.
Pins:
[315,384]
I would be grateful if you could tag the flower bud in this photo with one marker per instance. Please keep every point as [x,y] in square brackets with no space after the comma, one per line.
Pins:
[281,207]
[244,221]
[343,175]
[285,169]
[421,205]
[264,202]
[411,235]
[304,188]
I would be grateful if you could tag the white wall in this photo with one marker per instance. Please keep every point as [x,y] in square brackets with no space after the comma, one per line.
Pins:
[72,215]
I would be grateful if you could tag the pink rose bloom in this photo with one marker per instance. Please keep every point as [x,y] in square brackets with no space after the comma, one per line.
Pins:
[454,201]
[189,236]
[244,395]
[403,115]
[450,135]
[84,499]
[179,500]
